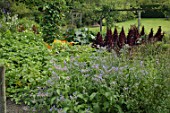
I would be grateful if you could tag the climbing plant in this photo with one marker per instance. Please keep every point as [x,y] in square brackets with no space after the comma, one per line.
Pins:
[52,19]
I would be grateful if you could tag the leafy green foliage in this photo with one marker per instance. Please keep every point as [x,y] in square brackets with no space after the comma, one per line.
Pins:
[88,80]
[83,79]
[20,9]
[14,24]
[28,24]
[11,24]
[52,20]
[80,36]
[26,60]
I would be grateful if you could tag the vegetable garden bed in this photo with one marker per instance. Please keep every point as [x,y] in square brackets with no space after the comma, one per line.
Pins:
[65,78]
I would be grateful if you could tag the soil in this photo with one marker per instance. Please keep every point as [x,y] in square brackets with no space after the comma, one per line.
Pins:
[21,108]
[14,108]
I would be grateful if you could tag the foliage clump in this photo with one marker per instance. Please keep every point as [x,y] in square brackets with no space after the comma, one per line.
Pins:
[52,20]
[26,60]
[79,36]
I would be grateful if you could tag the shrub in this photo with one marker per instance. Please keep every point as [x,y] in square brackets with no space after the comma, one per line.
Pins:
[9,23]
[19,8]
[14,24]
[27,23]
[52,20]
[26,60]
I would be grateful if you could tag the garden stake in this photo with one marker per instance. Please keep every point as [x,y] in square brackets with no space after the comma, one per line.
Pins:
[2,90]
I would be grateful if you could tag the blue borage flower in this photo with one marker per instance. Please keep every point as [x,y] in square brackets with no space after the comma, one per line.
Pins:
[58,67]
[42,94]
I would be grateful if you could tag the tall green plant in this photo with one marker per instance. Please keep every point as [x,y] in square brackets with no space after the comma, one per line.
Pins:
[52,19]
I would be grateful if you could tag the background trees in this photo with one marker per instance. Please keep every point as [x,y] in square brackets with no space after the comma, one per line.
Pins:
[91,11]
[87,7]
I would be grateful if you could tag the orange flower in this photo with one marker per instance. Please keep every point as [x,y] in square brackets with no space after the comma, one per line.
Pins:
[49,47]
[63,41]
[71,43]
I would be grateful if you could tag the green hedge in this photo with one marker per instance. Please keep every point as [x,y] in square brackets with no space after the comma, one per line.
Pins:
[152,13]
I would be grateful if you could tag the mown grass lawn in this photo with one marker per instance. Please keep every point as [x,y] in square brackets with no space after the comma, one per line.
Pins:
[147,22]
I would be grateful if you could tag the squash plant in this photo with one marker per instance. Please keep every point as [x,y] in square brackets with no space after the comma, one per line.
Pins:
[27,61]
[80,36]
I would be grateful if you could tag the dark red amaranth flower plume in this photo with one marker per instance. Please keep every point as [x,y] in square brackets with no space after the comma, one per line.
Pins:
[158,33]
[122,38]
[116,41]
[115,37]
[142,33]
[131,37]
[109,39]
[158,36]
[98,41]
[136,34]
[161,37]
[150,36]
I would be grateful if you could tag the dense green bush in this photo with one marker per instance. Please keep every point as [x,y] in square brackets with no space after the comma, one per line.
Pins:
[20,8]
[124,16]
[52,20]
[166,11]
[9,23]
[27,61]
[14,24]
[152,13]
[28,24]
[23,8]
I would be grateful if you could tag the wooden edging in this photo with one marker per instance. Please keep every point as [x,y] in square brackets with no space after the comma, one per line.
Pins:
[2,90]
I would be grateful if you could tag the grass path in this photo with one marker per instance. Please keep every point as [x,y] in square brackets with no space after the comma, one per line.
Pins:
[147,22]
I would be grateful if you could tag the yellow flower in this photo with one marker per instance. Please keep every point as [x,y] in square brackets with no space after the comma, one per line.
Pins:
[56,41]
